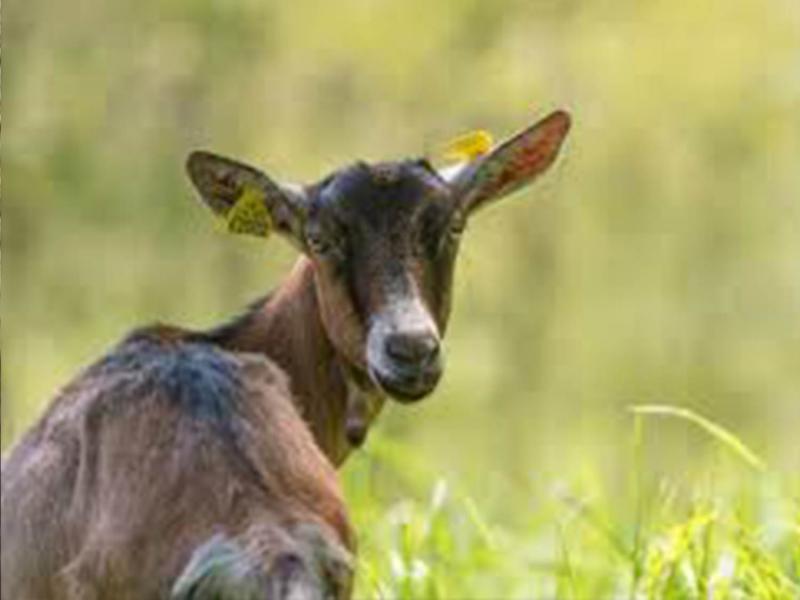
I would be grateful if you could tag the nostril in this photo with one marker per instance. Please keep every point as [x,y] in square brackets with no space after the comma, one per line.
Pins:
[412,348]
[430,347]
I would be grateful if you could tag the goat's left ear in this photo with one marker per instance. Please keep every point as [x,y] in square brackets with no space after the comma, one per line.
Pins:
[248,200]
[512,164]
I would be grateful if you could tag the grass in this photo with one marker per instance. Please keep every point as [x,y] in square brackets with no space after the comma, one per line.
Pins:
[738,538]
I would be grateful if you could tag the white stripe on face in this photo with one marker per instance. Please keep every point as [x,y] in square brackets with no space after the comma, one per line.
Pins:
[403,354]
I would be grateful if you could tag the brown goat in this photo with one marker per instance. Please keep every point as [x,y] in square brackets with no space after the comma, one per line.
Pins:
[362,314]
[178,465]
[173,469]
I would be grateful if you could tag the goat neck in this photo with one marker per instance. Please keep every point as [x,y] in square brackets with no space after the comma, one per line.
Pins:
[335,397]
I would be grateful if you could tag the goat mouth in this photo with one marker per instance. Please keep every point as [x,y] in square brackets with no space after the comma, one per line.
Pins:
[403,385]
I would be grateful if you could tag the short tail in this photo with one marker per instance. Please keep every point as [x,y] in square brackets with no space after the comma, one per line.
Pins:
[221,569]
[218,569]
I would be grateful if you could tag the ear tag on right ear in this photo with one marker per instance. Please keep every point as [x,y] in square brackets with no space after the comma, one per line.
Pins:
[467,147]
[249,214]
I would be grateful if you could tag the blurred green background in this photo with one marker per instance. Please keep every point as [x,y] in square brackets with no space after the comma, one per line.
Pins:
[658,262]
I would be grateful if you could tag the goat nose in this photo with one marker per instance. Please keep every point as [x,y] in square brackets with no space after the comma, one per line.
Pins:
[413,348]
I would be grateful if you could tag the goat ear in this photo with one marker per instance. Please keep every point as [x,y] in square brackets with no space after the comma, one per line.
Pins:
[248,200]
[511,165]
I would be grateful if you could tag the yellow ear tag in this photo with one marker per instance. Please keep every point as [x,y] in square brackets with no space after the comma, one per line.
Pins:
[249,214]
[468,146]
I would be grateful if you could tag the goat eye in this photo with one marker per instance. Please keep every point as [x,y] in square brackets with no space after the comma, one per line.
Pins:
[324,246]
[448,239]
[317,244]
[456,229]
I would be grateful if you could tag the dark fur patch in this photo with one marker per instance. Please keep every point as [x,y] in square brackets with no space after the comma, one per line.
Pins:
[387,222]
[200,379]
[367,191]
[163,364]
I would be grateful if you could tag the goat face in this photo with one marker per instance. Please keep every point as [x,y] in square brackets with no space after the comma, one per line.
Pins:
[383,239]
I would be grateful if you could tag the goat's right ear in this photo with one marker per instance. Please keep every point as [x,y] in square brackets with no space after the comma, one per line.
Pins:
[248,200]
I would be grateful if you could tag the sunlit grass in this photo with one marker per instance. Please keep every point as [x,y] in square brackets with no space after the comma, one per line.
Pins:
[437,543]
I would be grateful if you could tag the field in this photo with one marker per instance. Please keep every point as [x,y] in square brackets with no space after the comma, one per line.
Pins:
[620,411]
[732,533]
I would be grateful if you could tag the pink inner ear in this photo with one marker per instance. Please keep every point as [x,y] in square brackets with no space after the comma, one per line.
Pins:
[519,160]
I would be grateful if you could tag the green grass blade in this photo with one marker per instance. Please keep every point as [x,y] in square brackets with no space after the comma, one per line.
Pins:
[722,435]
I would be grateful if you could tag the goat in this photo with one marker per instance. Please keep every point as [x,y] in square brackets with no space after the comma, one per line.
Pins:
[171,468]
[362,314]
[181,463]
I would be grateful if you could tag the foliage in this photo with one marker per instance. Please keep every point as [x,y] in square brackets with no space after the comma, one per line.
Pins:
[577,544]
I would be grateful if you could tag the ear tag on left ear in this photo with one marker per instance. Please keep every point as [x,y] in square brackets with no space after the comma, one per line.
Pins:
[249,214]
[467,147]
